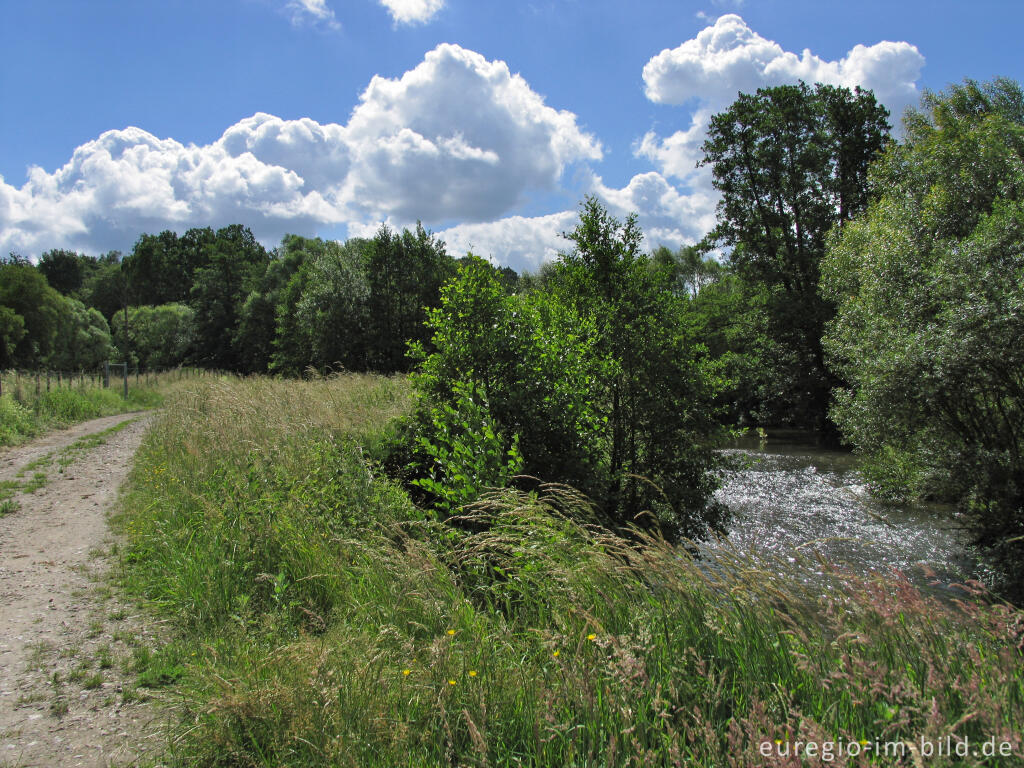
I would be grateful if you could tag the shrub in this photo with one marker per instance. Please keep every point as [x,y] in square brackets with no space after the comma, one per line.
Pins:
[16,421]
[930,292]
[593,374]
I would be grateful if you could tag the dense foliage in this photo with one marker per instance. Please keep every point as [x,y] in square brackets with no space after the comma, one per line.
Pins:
[590,379]
[930,289]
[791,163]
[218,299]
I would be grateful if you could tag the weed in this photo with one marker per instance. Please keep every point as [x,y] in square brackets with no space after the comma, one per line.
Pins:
[38,481]
[105,657]
[58,707]
[93,681]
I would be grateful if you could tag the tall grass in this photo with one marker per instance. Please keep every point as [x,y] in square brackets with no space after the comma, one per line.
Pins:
[325,621]
[25,413]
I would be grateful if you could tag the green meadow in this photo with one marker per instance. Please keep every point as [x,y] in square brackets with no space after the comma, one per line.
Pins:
[321,618]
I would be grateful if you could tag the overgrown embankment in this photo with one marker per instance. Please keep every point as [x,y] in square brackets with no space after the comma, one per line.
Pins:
[324,620]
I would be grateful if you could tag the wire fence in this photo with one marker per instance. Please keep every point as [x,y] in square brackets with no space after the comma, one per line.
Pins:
[28,385]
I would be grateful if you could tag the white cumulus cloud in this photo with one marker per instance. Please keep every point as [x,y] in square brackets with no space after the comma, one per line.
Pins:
[456,138]
[412,11]
[520,242]
[666,216]
[728,57]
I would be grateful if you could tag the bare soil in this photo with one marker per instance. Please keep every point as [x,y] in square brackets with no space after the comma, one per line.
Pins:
[67,690]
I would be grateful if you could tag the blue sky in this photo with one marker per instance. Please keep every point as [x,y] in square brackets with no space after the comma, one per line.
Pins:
[487,120]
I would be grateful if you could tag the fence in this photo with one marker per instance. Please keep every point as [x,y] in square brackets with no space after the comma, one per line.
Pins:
[24,385]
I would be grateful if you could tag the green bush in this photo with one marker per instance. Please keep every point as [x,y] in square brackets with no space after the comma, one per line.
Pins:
[594,373]
[16,421]
[929,286]
[69,406]
[466,451]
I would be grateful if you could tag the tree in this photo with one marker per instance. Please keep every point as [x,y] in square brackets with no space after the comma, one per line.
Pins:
[162,268]
[929,284]
[65,271]
[82,340]
[233,263]
[258,317]
[12,331]
[155,337]
[588,379]
[106,287]
[25,294]
[333,310]
[687,270]
[791,163]
[405,273]
[321,312]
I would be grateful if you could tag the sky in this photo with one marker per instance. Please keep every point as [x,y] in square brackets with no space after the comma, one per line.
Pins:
[488,121]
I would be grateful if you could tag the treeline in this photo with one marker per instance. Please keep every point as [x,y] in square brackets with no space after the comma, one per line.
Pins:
[219,299]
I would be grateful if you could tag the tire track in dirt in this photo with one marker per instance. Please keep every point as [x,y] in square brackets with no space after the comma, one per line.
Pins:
[67,694]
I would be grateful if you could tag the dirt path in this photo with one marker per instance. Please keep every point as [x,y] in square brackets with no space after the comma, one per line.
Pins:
[67,694]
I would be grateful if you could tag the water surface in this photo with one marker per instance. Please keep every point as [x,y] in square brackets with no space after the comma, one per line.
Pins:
[791,497]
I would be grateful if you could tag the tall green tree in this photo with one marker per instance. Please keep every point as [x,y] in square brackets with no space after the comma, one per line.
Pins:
[688,270]
[82,340]
[106,287]
[234,263]
[929,284]
[258,317]
[32,315]
[162,268]
[155,337]
[333,310]
[405,272]
[590,379]
[65,271]
[791,163]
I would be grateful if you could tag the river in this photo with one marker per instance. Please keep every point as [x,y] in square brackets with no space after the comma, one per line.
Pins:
[790,497]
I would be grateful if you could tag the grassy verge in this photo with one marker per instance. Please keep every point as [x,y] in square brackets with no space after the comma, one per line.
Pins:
[23,414]
[325,621]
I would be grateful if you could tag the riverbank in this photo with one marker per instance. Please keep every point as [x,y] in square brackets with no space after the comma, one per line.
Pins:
[322,619]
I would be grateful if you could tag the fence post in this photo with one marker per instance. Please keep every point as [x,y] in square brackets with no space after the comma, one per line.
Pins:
[125,369]
[106,374]
[47,380]
[39,388]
